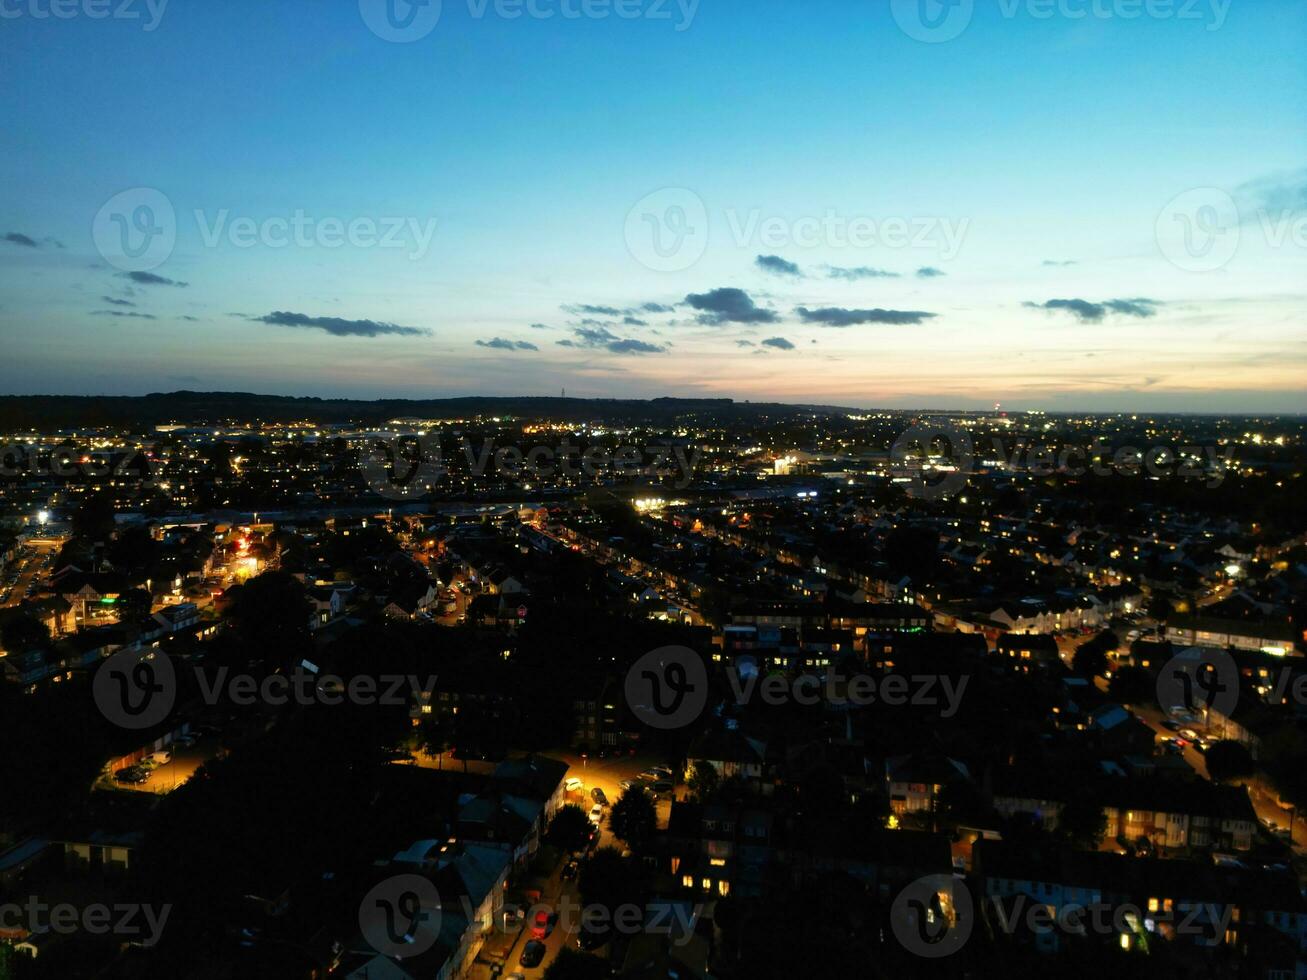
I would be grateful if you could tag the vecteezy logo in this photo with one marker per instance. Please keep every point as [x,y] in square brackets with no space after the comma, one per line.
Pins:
[923,436]
[401,21]
[932,917]
[135,688]
[932,21]
[401,916]
[667,231]
[1198,231]
[136,230]
[402,468]
[667,687]
[1199,679]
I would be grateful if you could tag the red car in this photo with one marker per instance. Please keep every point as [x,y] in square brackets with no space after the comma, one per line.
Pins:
[542,925]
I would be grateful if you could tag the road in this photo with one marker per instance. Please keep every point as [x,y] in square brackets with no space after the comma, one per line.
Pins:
[30,566]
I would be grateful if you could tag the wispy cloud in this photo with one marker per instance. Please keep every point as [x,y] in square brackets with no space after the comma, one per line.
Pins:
[930,272]
[857,273]
[338,327]
[835,316]
[499,343]
[150,279]
[1089,312]
[778,266]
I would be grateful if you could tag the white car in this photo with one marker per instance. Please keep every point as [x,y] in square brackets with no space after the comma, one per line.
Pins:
[573,785]
[596,814]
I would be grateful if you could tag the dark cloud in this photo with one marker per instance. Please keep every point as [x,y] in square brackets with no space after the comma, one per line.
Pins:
[114,301]
[729,305]
[595,336]
[780,343]
[134,316]
[190,319]
[499,343]
[834,316]
[633,347]
[150,279]
[591,309]
[340,328]
[540,326]
[930,272]
[595,309]
[18,238]
[1089,312]
[777,266]
[601,338]
[633,321]
[858,272]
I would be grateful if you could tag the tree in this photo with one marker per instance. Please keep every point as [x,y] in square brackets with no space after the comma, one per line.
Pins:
[703,782]
[24,633]
[571,965]
[570,828]
[1132,685]
[1089,660]
[1082,822]
[1158,607]
[609,880]
[1227,759]
[634,818]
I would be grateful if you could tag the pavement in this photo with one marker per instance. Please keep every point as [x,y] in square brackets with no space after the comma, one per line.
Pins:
[166,778]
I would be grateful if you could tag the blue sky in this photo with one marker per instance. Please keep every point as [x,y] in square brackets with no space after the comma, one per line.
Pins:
[1043,164]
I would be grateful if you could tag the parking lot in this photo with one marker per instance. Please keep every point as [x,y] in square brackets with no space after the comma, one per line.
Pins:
[167,777]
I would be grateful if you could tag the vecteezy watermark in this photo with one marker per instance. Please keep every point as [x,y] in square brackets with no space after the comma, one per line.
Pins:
[1202,229]
[18,461]
[748,683]
[136,230]
[133,921]
[675,920]
[400,916]
[138,689]
[406,21]
[668,687]
[1199,679]
[932,473]
[1208,463]
[407,467]
[669,230]
[933,916]
[937,21]
[149,12]
[1206,923]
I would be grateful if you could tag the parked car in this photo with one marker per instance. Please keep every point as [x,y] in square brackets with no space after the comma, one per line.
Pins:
[598,796]
[596,813]
[626,784]
[573,784]
[532,954]
[570,871]
[663,788]
[651,775]
[542,925]
[663,771]
[132,774]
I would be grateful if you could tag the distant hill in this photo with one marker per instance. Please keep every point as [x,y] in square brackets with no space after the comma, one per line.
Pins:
[18,412]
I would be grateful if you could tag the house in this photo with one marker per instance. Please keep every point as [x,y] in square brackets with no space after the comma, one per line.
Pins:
[730,753]
[915,781]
